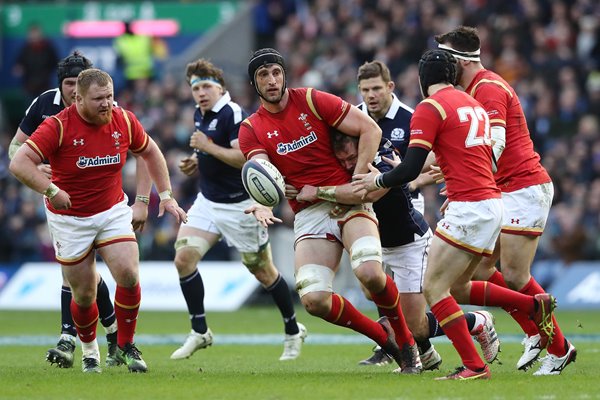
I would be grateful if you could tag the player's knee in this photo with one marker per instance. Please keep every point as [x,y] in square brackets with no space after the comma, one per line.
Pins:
[314,278]
[316,303]
[366,248]
[259,261]
[192,244]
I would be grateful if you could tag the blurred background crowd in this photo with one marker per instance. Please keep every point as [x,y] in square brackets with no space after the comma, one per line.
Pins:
[548,50]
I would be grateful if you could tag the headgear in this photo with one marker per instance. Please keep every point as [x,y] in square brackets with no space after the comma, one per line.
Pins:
[436,66]
[71,66]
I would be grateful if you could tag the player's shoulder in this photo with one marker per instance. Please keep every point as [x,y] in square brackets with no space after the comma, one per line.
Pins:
[48,102]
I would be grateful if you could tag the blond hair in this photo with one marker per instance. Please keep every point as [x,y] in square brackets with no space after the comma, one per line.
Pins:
[86,78]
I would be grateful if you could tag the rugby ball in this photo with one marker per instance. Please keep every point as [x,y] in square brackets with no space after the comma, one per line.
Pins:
[263,182]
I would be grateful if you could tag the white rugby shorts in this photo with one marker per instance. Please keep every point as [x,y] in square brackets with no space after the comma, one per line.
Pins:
[526,210]
[472,226]
[228,220]
[408,263]
[316,222]
[75,237]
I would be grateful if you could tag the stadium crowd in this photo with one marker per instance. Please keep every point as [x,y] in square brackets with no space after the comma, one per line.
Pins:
[548,51]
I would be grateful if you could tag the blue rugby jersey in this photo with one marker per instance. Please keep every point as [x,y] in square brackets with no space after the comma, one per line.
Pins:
[395,127]
[399,221]
[45,105]
[220,182]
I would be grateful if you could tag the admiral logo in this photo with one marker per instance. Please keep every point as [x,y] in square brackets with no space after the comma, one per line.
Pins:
[77,142]
[303,141]
[274,133]
[88,162]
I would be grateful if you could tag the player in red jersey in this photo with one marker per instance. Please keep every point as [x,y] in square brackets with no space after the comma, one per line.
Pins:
[86,208]
[456,128]
[291,129]
[527,193]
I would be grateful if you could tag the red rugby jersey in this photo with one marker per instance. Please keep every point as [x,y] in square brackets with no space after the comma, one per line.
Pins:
[297,139]
[456,127]
[519,166]
[87,159]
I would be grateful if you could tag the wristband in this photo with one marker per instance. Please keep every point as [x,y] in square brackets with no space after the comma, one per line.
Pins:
[143,199]
[379,182]
[326,193]
[51,191]
[166,195]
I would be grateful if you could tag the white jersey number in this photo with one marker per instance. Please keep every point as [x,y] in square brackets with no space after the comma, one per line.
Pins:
[476,115]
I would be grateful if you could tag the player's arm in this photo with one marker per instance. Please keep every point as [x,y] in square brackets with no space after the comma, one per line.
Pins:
[357,123]
[232,156]
[16,142]
[159,173]
[498,134]
[24,166]
[425,178]
[142,194]
[407,171]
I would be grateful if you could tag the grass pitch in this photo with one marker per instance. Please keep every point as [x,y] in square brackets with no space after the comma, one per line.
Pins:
[244,363]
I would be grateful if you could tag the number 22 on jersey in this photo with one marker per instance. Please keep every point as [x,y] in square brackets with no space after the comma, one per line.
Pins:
[475,116]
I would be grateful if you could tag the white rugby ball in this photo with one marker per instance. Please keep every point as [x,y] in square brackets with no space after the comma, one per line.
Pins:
[263,182]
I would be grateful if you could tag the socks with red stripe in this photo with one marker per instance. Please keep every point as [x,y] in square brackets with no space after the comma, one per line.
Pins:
[85,320]
[526,324]
[452,321]
[344,314]
[388,304]
[127,304]
[484,293]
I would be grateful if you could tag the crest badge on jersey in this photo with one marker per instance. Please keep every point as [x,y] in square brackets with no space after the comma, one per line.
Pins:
[213,125]
[397,134]
[117,136]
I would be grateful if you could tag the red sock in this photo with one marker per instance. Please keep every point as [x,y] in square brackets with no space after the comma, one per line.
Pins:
[452,321]
[388,304]
[85,320]
[526,324]
[557,347]
[344,314]
[484,293]
[127,304]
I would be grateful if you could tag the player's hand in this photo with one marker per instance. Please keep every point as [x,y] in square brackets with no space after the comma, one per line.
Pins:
[308,193]
[362,184]
[436,174]
[61,201]
[140,215]
[189,165]
[171,206]
[444,191]
[394,161]
[263,214]
[46,170]
[290,191]
[444,207]
[199,141]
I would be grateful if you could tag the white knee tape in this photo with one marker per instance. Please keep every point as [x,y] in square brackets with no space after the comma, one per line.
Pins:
[367,248]
[314,278]
[197,243]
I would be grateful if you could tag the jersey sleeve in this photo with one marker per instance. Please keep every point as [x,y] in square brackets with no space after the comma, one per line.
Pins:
[328,107]
[425,123]
[494,97]
[32,118]
[138,137]
[46,139]
[249,143]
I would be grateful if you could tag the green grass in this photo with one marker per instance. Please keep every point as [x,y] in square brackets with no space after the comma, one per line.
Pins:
[253,371]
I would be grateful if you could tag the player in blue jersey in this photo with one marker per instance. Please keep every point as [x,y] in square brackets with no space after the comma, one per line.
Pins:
[49,103]
[218,211]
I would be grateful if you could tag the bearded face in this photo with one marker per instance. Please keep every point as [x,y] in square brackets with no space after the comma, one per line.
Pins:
[95,106]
